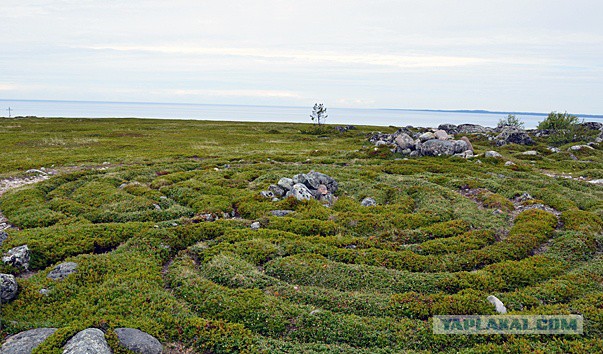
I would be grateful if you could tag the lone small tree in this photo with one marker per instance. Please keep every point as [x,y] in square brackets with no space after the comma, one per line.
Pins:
[319,113]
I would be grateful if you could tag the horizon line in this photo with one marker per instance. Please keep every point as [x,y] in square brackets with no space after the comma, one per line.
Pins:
[469,111]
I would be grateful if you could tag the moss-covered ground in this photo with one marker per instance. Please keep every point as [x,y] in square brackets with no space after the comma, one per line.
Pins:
[127,203]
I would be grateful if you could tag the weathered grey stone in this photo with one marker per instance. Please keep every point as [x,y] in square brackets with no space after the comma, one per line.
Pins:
[26,342]
[498,305]
[436,147]
[448,128]
[285,183]
[441,134]
[513,135]
[17,257]
[138,341]
[314,179]
[427,136]
[553,149]
[8,287]
[278,191]
[509,163]
[88,341]
[471,129]
[469,145]
[3,237]
[267,194]
[62,270]
[255,225]
[530,153]
[580,147]
[459,146]
[368,202]
[493,154]
[404,141]
[326,199]
[301,192]
[281,212]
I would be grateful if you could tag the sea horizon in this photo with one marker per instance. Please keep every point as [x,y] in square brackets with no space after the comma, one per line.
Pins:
[424,117]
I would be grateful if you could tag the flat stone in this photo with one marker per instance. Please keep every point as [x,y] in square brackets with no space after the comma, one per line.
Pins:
[493,154]
[26,342]
[88,341]
[62,270]
[138,341]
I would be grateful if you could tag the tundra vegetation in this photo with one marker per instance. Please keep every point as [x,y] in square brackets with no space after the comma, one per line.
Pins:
[132,205]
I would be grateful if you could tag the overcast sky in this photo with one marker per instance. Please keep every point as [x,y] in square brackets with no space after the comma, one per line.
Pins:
[496,55]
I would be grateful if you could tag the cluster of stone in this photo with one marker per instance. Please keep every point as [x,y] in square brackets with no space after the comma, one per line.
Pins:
[431,143]
[304,186]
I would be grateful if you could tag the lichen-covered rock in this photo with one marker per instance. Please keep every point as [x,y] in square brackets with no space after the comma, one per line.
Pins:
[448,128]
[441,134]
[471,129]
[530,153]
[285,183]
[3,237]
[301,192]
[281,212]
[459,146]
[138,341]
[404,141]
[267,194]
[513,135]
[17,257]
[255,225]
[493,154]
[26,342]
[469,145]
[368,202]
[62,270]
[427,136]
[436,147]
[88,341]
[276,190]
[314,179]
[8,287]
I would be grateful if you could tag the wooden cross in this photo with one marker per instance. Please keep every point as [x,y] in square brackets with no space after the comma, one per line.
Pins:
[9,110]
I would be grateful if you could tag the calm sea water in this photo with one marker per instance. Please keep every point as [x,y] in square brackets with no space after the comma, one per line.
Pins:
[379,117]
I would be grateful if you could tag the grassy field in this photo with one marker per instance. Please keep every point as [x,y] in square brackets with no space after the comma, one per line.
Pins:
[126,206]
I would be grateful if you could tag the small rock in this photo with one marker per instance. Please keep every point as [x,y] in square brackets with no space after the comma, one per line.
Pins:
[8,287]
[281,212]
[509,163]
[255,225]
[138,341]
[88,341]
[267,194]
[580,147]
[500,307]
[62,270]
[493,154]
[368,202]
[530,153]
[17,257]
[436,147]
[3,237]
[26,342]
[157,206]
[44,291]
[275,199]
[322,190]
[276,190]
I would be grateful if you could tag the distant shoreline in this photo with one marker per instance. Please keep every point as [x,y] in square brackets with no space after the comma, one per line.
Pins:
[468,111]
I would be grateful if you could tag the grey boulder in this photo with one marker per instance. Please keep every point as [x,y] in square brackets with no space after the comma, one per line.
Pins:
[513,135]
[26,342]
[138,341]
[3,237]
[404,141]
[301,192]
[493,154]
[436,147]
[314,179]
[88,341]
[17,257]
[8,287]
[62,270]
[286,183]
